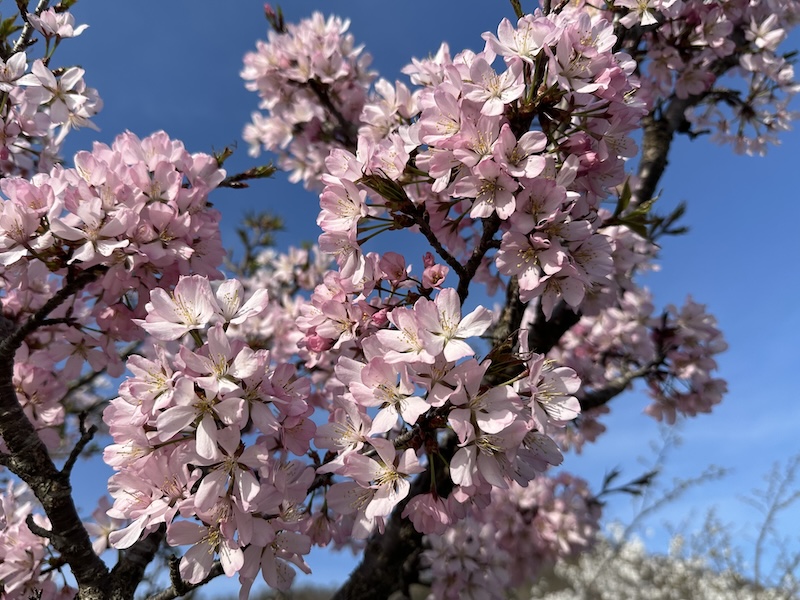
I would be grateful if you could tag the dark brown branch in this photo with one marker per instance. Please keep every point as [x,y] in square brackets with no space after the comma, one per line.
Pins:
[600,396]
[29,459]
[490,227]
[656,142]
[421,221]
[9,345]
[129,570]
[59,321]
[408,214]
[36,530]
[172,592]
[660,128]
[347,128]
[545,334]
[511,317]
[86,437]
[238,180]
[517,6]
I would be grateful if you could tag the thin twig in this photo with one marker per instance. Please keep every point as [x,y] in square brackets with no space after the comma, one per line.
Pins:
[172,592]
[433,240]
[10,344]
[54,564]
[59,321]
[88,378]
[491,225]
[237,181]
[27,30]
[86,437]
[613,388]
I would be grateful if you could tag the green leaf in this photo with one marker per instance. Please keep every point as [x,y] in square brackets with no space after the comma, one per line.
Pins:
[223,155]
[643,209]
[8,27]
[624,199]
[389,190]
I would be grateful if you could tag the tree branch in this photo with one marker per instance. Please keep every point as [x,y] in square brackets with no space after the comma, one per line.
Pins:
[27,30]
[659,131]
[433,240]
[172,592]
[615,387]
[9,344]
[490,227]
[36,530]
[30,460]
[128,573]
[511,317]
[544,334]
[347,128]
[86,437]
[408,214]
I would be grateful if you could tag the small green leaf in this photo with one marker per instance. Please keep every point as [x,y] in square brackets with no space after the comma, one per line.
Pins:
[624,199]
[223,155]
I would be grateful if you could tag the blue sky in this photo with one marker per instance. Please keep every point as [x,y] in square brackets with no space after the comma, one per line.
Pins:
[175,65]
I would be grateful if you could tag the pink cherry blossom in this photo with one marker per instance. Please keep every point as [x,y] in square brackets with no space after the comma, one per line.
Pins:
[191,306]
[442,329]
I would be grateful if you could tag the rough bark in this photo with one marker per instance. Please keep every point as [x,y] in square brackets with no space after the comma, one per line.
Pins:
[29,460]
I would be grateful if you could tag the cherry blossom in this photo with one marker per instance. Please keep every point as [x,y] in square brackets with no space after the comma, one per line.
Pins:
[342,391]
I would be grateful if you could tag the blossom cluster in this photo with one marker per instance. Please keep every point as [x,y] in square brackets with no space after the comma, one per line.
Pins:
[292,72]
[673,352]
[41,105]
[217,427]
[540,189]
[505,154]
[689,339]
[684,46]
[508,542]
[422,377]
[203,439]
[501,159]
[129,218]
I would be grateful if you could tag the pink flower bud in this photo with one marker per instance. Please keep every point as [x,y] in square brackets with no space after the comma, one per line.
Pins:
[317,343]
[379,318]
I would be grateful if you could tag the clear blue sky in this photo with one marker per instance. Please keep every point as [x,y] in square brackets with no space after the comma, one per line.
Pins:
[175,65]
